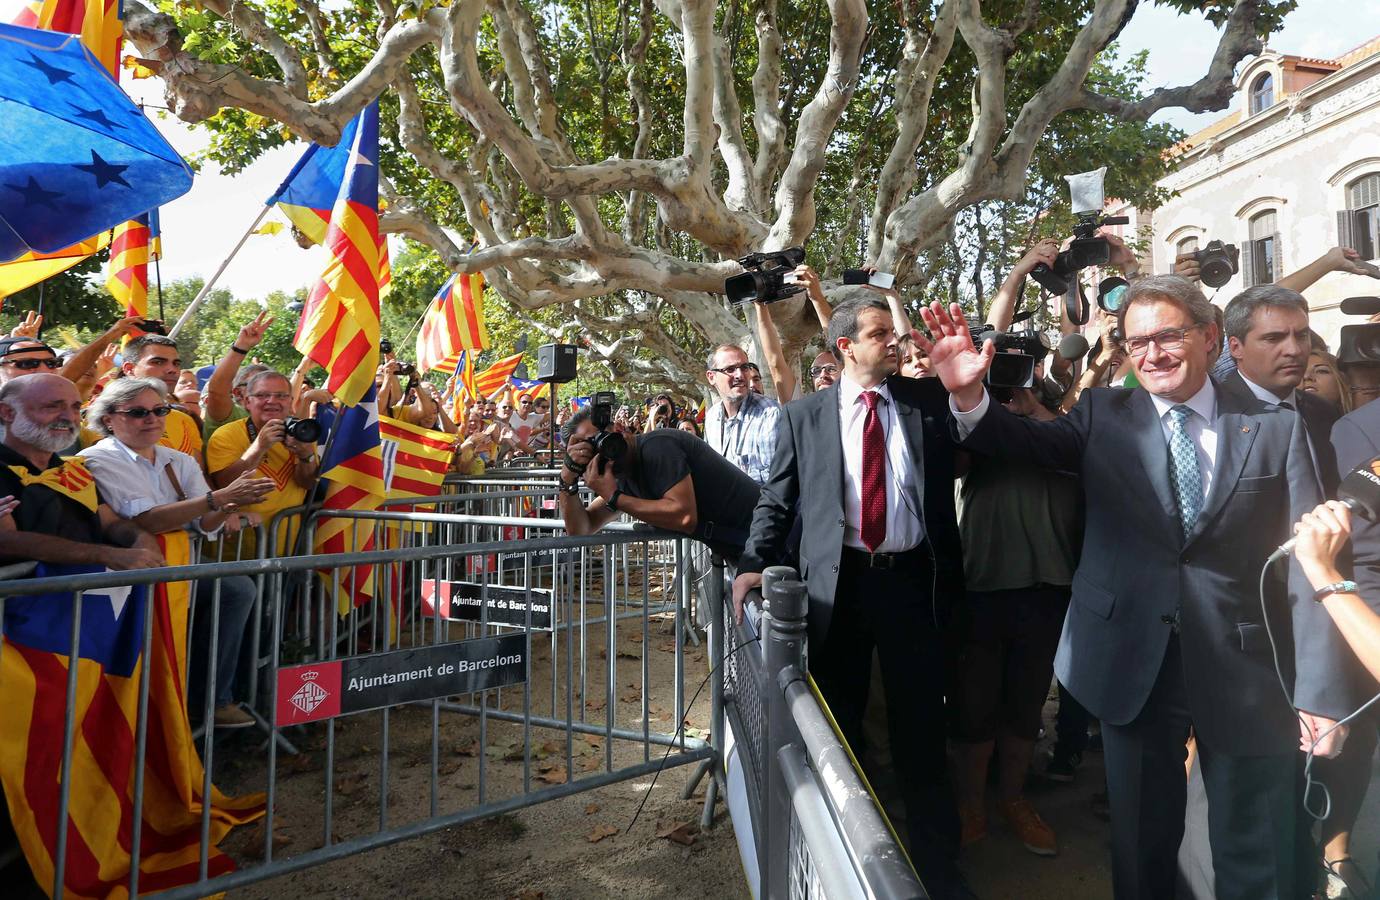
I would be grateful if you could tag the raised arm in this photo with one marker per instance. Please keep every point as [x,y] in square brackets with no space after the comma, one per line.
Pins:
[807,276]
[82,361]
[1338,259]
[1002,309]
[769,339]
[218,400]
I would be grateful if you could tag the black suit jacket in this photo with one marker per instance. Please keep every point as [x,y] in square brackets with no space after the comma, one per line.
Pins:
[1136,567]
[807,476]
[1356,440]
[1318,418]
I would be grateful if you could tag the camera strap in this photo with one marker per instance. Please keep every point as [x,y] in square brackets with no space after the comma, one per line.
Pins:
[1075,304]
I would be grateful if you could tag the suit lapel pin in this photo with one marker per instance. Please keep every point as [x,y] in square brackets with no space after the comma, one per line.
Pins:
[1245,429]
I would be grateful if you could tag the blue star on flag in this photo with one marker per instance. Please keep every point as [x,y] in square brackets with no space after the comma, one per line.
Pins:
[97,116]
[53,73]
[102,171]
[35,195]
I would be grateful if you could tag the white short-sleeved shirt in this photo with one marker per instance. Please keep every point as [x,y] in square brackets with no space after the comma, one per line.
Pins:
[133,485]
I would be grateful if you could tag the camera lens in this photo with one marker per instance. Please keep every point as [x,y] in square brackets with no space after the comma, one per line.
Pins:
[308,431]
[1215,272]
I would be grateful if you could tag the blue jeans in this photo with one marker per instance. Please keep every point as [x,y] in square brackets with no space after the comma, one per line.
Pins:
[236,605]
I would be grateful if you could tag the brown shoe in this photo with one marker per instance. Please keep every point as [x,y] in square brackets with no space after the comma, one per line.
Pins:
[974,824]
[231,716]
[1030,828]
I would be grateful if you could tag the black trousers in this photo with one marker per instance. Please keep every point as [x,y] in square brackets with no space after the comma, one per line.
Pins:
[1254,805]
[891,610]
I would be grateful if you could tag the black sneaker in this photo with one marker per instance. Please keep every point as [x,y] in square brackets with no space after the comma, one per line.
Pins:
[1062,766]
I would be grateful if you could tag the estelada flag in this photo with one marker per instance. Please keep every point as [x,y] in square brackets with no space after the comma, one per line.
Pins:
[34,665]
[353,470]
[332,195]
[415,459]
[453,323]
[526,387]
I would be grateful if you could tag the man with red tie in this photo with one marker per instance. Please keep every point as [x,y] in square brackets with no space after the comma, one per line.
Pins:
[868,463]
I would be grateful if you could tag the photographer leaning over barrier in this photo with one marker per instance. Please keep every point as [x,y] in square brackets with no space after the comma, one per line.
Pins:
[163,490]
[667,478]
[265,443]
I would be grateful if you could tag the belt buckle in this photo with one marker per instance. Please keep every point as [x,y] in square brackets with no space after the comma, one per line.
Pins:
[882,560]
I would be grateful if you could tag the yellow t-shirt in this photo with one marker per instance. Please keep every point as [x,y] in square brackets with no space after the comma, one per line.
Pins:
[182,434]
[227,445]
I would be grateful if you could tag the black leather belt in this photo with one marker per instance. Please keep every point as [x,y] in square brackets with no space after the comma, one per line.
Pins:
[902,559]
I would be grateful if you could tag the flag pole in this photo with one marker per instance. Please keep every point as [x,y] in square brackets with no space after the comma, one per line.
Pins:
[200,298]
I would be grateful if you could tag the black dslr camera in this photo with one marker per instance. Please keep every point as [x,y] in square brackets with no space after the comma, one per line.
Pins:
[765,278]
[610,445]
[1360,344]
[1014,365]
[1086,250]
[307,431]
[1217,263]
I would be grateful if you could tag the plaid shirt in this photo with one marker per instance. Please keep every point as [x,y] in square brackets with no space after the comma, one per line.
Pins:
[748,440]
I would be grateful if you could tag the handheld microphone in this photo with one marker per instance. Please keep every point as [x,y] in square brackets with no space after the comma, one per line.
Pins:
[1073,346]
[1359,490]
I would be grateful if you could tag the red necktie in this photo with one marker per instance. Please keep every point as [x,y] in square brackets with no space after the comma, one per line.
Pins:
[873,525]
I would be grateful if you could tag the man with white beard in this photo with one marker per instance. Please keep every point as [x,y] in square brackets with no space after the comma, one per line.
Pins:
[59,516]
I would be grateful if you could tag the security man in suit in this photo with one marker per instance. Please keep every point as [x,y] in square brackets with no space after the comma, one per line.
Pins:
[1188,489]
[1268,336]
[869,463]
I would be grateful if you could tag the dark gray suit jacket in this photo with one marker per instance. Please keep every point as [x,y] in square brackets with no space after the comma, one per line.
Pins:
[1356,440]
[1137,568]
[807,474]
[1318,418]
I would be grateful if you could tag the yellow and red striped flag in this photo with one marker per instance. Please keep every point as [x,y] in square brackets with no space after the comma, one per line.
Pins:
[414,458]
[339,329]
[454,322]
[385,268]
[353,471]
[98,23]
[133,247]
[496,376]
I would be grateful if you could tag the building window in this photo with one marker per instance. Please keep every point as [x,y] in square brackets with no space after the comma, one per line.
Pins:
[1358,226]
[1186,246]
[1262,93]
[1260,257]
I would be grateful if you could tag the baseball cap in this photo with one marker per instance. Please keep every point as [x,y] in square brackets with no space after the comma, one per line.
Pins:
[11,344]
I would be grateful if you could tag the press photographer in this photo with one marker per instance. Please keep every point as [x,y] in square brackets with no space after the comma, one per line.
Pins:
[667,478]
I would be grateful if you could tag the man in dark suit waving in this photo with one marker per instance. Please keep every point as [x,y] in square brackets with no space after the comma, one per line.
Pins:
[1188,490]
[868,463]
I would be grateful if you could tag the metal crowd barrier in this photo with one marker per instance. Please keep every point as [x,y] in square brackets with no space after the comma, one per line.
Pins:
[806,823]
[370,726]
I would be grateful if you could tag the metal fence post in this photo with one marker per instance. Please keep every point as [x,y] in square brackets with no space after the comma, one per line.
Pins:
[783,631]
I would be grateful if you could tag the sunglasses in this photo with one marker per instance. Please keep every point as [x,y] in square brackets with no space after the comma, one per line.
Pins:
[28,365]
[138,412]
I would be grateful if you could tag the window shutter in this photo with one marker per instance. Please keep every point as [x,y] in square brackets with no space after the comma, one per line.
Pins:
[1344,230]
[1248,263]
[1278,271]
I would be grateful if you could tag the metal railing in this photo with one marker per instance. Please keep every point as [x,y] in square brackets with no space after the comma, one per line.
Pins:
[594,613]
[807,825]
[450,573]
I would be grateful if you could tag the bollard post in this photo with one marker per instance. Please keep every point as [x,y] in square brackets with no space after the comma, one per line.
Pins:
[783,632]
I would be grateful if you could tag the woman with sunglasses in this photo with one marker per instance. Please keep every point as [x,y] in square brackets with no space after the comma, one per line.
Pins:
[163,490]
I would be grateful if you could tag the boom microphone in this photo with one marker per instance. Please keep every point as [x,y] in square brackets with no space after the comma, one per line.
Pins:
[1073,346]
[1359,490]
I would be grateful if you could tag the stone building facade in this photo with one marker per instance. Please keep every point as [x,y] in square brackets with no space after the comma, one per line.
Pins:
[1294,171]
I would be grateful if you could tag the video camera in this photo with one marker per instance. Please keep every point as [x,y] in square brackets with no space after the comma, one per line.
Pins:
[1014,364]
[610,445]
[1087,249]
[1360,344]
[766,278]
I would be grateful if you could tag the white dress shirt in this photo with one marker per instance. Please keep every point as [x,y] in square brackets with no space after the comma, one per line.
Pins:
[904,528]
[132,485]
[1201,426]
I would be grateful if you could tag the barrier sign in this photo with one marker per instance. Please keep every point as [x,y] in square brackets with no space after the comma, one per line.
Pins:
[506,605]
[325,690]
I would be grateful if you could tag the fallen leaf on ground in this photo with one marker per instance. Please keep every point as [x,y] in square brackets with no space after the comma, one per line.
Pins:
[349,784]
[658,712]
[594,705]
[554,775]
[668,646]
[600,832]
[698,733]
[628,654]
[679,832]
[255,850]
[550,748]
[470,749]
[591,808]
[631,695]
[449,767]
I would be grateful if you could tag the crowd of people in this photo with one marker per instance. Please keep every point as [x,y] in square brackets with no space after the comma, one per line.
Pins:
[963,545]
[1111,523]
